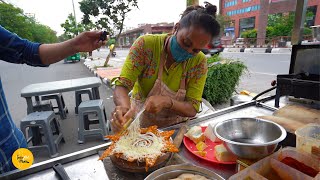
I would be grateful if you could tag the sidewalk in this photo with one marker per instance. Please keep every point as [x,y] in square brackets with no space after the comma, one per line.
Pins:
[106,74]
[258,50]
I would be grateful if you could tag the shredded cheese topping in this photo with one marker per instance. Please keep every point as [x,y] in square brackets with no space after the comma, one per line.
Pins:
[135,145]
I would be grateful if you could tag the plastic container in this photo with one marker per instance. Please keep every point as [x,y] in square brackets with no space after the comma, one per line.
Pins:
[271,167]
[308,139]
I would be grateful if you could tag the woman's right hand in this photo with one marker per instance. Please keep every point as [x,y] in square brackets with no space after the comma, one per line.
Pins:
[120,116]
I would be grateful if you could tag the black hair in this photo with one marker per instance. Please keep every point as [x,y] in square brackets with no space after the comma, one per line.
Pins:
[204,17]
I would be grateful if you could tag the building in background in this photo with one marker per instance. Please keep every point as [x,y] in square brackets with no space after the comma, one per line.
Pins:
[127,38]
[253,14]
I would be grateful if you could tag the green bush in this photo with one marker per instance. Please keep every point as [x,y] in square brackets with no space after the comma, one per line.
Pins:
[307,31]
[223,77]
[111,41]
[249,34]
[269,32]
[214,58]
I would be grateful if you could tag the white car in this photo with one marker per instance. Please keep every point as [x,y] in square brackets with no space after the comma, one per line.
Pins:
[239,42]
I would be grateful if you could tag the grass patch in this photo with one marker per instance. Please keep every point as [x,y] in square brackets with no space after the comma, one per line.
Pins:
[96,67]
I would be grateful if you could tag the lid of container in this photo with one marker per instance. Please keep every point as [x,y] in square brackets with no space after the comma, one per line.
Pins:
[310,130]
[305,59]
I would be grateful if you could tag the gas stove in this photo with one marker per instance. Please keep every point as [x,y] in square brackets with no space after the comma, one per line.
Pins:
[303,80]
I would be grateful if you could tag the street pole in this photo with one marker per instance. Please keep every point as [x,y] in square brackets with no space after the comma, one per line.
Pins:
[300,16]
[75,19]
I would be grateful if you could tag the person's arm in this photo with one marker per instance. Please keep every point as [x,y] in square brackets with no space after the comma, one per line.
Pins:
[120,97]
[85,42]
[14,49]
[183,108]
[131,69]
[155,104]
[197,76]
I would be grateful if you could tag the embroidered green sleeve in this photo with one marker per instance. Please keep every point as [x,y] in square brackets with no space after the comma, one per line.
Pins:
[133,65]
[196,79]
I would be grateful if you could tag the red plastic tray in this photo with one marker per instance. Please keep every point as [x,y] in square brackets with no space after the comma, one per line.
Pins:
[191,146]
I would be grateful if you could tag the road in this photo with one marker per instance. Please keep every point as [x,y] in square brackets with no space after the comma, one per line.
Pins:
[262,67]
[263,63]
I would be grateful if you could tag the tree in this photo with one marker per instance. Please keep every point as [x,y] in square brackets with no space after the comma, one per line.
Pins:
[282,24]
[224,22]
[42,33]
[106,14]
[71,28]
[278,25]
[14,20]
[249,33]
[62,38]
[111,41]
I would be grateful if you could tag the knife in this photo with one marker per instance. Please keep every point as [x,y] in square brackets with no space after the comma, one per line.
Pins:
[61,172]
[128,123]
[178,138]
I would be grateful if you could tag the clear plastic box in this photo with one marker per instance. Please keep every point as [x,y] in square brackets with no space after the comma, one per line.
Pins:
[308,139]
[271,167]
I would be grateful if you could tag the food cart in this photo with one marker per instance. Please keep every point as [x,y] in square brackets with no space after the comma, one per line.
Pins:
[84,164]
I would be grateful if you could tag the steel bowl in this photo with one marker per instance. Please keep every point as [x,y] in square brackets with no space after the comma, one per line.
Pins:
[173,171]
[250,138]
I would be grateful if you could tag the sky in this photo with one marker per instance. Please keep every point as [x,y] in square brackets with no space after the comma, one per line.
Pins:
[54,12]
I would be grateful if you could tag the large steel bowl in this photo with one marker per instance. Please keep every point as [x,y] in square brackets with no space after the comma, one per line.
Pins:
[173,171]
[250,138]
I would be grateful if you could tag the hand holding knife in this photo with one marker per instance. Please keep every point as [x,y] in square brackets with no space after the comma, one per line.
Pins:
[128,123]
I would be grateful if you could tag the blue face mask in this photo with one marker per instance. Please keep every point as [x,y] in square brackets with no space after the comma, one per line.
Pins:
[178,53]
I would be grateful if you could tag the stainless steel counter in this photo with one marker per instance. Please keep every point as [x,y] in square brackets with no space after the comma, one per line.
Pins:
[84,164]
[244,110]
[88,168]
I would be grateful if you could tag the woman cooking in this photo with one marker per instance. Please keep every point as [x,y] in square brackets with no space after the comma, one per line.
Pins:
[166,72]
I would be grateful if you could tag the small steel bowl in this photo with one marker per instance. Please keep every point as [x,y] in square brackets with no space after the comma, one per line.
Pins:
[250,138]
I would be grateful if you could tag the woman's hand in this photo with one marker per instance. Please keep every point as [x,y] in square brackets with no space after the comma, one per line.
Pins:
[119,117]
[155,104]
